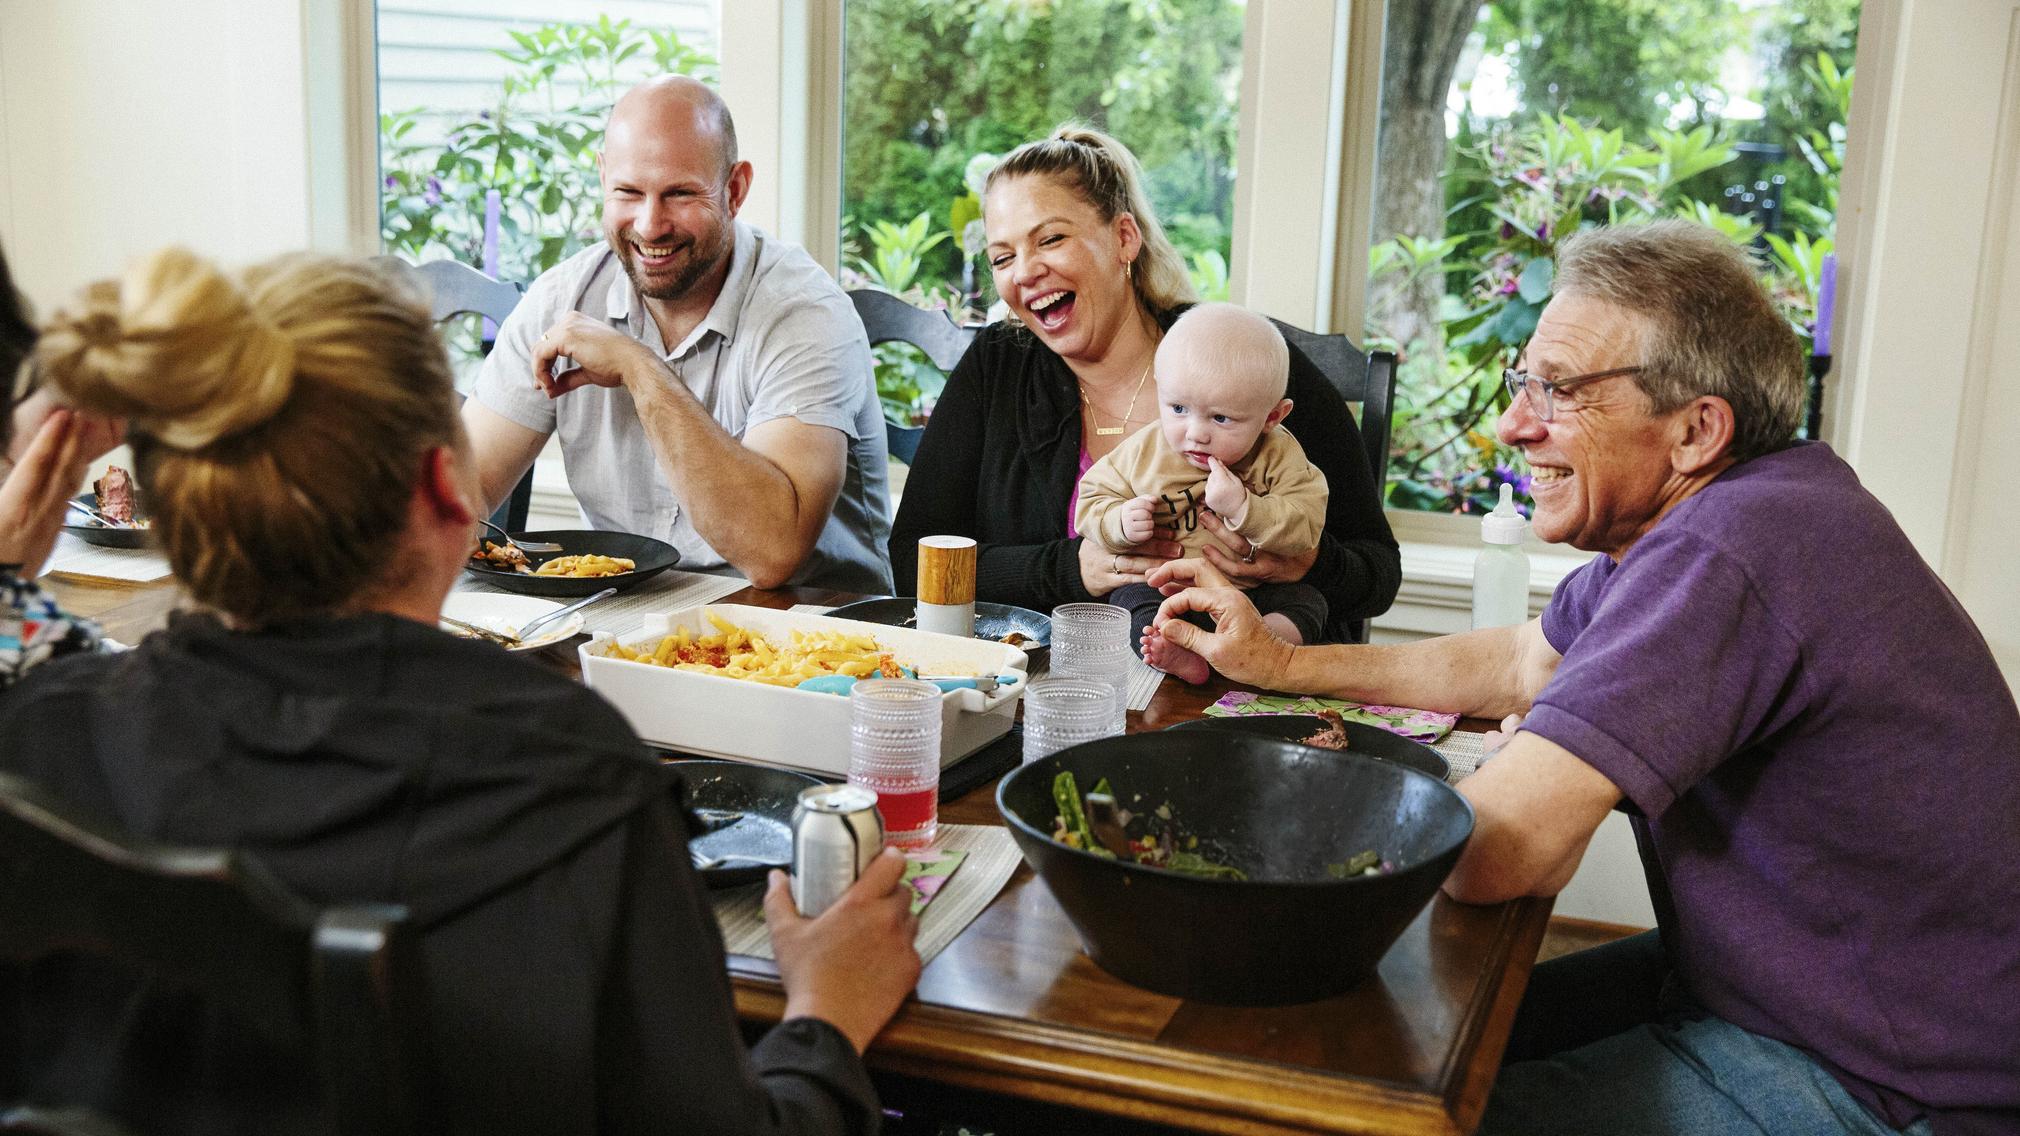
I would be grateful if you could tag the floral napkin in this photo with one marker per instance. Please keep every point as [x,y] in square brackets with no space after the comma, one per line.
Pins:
[1419,725]
[927,873]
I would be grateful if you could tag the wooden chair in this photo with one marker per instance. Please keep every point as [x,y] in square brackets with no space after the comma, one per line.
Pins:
[1366,378]
[889,319]
[337,983]
[458,289]
[1369,379]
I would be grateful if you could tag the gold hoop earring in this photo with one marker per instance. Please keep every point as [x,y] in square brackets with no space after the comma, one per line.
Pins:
[1129,272]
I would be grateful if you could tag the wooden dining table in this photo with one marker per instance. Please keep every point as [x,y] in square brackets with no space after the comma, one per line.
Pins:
[1014,1010]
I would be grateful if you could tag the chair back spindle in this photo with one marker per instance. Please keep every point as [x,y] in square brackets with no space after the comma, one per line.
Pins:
[340,983]
[889,319]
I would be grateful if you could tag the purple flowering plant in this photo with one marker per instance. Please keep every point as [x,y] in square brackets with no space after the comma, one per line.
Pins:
[1541,181]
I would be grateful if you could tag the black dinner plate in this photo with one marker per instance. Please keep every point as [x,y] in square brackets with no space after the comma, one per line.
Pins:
[741,809]
[1361,738]
[651,557]
[91,532]
[993,621]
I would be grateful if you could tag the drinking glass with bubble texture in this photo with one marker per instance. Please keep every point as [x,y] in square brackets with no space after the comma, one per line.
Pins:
[894,748]
[1091,641]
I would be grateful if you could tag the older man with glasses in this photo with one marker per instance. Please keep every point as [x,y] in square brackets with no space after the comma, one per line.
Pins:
[1814,741]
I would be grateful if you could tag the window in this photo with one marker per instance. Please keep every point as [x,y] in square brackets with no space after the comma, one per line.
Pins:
[936,90]
[1507,124]
[490,113]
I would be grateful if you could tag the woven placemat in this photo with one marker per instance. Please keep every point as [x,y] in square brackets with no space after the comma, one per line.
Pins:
[1143,680]
[992,856]
[670,591]
[1462,752]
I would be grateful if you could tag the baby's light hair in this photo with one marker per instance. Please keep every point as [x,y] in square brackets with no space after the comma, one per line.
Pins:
[1235,344]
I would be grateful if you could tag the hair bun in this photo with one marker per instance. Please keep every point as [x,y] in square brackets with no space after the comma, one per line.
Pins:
[177,346]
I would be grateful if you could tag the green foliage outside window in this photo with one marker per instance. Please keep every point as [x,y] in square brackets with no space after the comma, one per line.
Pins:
[1599,153]
[937,89]
[536,147]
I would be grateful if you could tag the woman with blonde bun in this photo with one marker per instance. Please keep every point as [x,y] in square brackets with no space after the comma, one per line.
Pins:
[297,438]
[1092,285]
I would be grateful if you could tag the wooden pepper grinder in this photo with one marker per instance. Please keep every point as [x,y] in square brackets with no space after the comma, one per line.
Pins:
[947,585]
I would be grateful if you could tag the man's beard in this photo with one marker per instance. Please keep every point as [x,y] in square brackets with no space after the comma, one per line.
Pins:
[702,258]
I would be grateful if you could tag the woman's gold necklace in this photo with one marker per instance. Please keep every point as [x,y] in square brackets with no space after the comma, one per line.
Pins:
[1128,413]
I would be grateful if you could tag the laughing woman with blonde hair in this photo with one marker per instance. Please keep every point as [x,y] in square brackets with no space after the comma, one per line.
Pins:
[1092,284]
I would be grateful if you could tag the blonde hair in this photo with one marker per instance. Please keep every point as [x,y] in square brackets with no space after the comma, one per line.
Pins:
[1230,341]
[279,418]
[1712,328]
[1103,173]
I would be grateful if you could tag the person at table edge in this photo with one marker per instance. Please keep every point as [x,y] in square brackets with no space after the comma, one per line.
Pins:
[721,396]
[44,451]
[1091,284]
[1814,740]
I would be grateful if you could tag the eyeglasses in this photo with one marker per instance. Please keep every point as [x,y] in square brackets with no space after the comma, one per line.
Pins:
[1543,392]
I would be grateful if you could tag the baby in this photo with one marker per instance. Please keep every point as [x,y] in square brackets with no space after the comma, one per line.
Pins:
[1221,373]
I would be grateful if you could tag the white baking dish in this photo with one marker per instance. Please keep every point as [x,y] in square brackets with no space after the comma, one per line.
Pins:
[725,717]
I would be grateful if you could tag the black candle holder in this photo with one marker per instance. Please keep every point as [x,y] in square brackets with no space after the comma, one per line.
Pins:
[1813,414]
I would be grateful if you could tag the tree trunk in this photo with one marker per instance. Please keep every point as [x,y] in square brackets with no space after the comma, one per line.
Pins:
[1419,54]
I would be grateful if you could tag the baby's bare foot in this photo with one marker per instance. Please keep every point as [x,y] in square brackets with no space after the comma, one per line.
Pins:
[1173,659]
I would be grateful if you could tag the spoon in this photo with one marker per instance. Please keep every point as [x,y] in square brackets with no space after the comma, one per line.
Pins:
[529,546]
[526,632]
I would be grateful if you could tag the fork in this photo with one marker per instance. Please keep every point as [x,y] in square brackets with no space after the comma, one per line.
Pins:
[523,546]
[484,633]
[92,512]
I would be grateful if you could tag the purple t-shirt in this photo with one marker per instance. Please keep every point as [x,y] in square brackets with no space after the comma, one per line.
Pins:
[1829,763]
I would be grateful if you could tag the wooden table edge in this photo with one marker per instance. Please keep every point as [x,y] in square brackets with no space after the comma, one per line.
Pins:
[1137,1079]
[1472,1071]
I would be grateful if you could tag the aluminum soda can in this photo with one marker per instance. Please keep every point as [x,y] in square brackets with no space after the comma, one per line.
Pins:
[836,833]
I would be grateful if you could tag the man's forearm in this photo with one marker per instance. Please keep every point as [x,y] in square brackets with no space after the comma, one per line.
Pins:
[738,500]
[1479,673]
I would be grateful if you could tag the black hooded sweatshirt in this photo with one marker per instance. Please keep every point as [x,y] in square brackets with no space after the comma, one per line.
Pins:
[576,977]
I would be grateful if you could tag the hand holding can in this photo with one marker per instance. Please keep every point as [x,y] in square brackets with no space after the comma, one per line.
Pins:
[836,833]
[854,965]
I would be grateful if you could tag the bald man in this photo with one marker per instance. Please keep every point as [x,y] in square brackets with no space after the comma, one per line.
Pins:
[711,385]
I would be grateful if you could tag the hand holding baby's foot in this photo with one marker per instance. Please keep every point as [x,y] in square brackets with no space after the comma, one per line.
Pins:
[1173,659]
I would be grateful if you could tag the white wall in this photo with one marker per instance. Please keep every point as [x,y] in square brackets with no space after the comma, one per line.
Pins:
[129,124]
[1929,399]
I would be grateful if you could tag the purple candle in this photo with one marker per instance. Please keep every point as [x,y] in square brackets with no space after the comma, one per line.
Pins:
[1827,302]
[492,202]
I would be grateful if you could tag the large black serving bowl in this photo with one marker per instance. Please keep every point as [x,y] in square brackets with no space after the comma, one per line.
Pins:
[651,557]
[1283,813]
